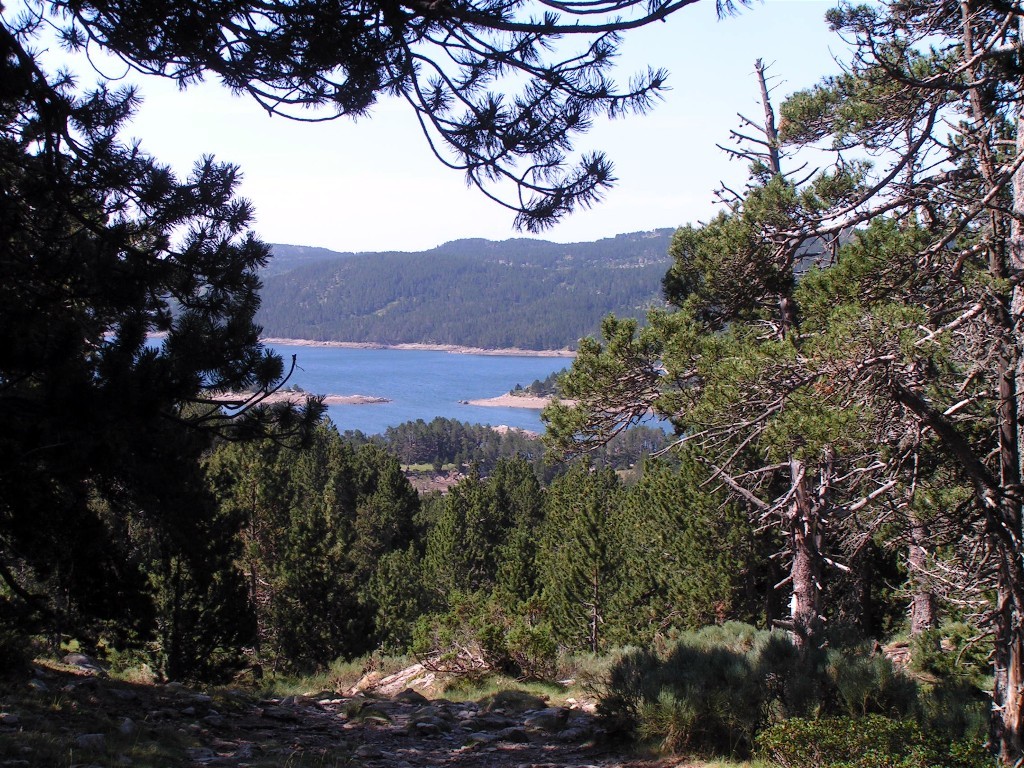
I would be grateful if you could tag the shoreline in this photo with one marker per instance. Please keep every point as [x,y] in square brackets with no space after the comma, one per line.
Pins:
[511,401]
[296,398]
[450,348]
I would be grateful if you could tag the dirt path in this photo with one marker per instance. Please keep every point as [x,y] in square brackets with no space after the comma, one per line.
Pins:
[66,719]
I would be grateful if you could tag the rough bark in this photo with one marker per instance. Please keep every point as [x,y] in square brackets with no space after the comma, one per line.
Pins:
[1008,698]
[808,565]
[923,605]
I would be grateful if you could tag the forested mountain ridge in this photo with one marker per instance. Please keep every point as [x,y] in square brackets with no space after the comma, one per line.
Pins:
[525,293]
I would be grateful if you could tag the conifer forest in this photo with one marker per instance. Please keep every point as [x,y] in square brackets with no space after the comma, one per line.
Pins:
[819,561]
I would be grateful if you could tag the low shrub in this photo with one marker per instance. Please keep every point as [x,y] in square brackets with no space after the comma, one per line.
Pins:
[872,741]
[708,694]
[479,635]
[864,742]
[866,683]
[952,652]
[716,689]
[956,709]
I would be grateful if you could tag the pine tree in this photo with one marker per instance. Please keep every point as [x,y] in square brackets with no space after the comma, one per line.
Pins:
[518,492]
[496,99]
[299,509]
[691,558]
[935,91]
[386,509]
[733,369]
[580,554]
[102,247]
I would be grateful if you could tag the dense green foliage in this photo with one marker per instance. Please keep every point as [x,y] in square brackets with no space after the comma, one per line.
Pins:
[442,442]
[315,525]
[867,406]
[519,293]
[548,387]
[874,741]
[104,527]
[730,689]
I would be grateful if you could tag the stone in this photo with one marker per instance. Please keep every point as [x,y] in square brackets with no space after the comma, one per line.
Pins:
[38,686]
[424,729]
[481,737]
[515,734]
[127,726]
[392,684]
[374,712]
[82,661]
[9,719]
[245,752]
[94,742]
[279,713]
[513,701]
[200,754]
[81,684]
[367,751]
[409,696]
[491,721]
[573,735]
[551,719]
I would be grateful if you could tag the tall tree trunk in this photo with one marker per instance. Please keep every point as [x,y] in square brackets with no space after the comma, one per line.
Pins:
[1008,703]
[807,567]
[1006,260]
[922,602]
[1008,694]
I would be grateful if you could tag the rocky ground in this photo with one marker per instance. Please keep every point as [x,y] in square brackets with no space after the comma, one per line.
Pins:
[75,716]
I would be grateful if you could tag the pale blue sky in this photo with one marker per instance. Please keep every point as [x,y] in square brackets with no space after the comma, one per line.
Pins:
[373,185]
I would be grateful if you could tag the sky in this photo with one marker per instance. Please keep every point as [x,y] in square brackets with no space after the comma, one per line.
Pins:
[374,185]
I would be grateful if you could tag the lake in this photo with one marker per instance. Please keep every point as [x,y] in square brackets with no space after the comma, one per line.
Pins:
[420,384]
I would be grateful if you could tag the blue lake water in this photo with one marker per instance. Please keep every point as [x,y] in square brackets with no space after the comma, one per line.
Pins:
[419,384]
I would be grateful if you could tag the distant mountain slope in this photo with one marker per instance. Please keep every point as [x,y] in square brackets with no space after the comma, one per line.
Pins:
[288,257]
[526,293]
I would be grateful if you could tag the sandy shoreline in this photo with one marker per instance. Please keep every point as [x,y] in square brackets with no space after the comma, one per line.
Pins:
[291,396]
[515,401]
[452,348]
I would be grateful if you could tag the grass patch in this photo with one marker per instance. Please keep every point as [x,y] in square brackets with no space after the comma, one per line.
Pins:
[490,687]
[423,468]
[341,676]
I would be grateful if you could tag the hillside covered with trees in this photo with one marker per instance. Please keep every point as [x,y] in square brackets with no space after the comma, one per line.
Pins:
[530,294]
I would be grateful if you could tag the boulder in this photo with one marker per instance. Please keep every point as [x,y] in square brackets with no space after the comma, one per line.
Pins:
[410,696]
[481,737]
[515,734]
[552,720]
[92,742]
[87,663]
